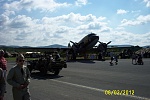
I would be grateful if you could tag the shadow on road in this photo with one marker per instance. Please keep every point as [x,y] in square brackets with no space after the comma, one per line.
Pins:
[82,61]
[37,75]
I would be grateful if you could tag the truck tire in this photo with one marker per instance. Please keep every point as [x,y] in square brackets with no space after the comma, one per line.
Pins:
[56,72]
[65,65]
[43,70]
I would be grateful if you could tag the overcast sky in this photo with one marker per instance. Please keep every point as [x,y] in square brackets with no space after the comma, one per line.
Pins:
[47,22]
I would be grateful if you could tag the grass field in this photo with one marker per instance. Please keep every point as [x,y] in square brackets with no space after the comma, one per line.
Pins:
[14,59]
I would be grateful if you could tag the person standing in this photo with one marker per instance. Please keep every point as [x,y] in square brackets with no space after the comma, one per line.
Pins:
[134,58]
[57,56]
[111,58]
[3,66]
[19,78]
[116,58]
[2,84]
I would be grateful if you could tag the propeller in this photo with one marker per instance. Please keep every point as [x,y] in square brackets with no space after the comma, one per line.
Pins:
[105,43]
[109,42]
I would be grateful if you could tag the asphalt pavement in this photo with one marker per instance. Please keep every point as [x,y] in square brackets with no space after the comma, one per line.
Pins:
[92,80]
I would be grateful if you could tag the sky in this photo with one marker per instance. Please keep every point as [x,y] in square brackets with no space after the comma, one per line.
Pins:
[47,22]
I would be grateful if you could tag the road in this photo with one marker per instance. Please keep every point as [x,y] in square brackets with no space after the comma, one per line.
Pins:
[92,80]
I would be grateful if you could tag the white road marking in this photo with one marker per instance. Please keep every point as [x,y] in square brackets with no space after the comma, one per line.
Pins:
[100,90]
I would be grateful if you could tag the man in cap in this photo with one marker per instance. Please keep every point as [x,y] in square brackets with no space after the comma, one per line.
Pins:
[19,78]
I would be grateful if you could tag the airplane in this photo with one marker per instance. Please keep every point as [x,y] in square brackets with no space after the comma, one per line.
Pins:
[86,44]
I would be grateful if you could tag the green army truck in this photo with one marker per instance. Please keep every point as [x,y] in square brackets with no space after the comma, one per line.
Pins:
[46,64]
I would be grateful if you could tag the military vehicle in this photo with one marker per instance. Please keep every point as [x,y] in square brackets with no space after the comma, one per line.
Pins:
[47,63]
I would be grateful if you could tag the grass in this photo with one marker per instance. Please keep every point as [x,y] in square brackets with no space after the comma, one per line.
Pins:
[11,59]
[14,59]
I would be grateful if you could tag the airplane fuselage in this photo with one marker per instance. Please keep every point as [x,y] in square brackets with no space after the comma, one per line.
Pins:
[88,42]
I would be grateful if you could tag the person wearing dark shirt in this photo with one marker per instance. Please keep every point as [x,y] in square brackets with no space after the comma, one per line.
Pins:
[2,84]
[3,66]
